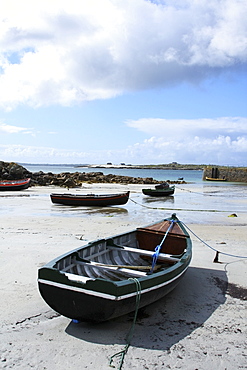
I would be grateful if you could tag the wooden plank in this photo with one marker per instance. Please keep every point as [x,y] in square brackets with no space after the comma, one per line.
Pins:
[162,256]
[126,271]
[162,227]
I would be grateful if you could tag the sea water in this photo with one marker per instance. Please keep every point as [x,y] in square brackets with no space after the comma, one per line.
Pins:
[197,201]
[156,174]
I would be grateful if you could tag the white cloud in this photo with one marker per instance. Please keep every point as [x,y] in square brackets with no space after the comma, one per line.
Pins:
[38,154]
[190,127]
[220,149]
[62,52]
[221,140]
[8,129]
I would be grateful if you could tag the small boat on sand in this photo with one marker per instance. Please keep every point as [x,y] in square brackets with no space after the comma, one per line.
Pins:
[161,190]
[88,200]
[6,185]
[101,280]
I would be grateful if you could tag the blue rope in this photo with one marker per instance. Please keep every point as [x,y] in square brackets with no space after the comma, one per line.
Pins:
[159,246]
[226,254]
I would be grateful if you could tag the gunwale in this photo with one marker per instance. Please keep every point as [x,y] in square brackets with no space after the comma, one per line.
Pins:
[90,199]
[214,179]
[159,192]
[11,185]
[117,297]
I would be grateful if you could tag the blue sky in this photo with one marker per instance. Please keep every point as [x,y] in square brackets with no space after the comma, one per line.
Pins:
[141,82]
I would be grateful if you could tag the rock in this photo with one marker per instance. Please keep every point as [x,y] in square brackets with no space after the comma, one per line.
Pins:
[70,183]
[70,180]
[16,171]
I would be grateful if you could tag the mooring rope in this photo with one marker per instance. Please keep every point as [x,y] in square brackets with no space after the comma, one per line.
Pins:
[195,192]
[204,194]
[209,246]
[143,205]
[198,210]
[159,246]
[122,353]
[178,209]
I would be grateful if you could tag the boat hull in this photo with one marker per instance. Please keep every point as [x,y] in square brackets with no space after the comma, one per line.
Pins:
[214,179]
[90,308]
[159,192]
[102,279]
[13,185]
[90,199]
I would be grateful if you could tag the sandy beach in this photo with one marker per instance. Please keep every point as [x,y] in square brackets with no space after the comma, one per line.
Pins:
[202,324]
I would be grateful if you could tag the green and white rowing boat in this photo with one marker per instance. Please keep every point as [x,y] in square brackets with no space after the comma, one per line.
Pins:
[97,282]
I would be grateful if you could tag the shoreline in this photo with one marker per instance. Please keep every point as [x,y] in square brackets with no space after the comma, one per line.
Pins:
[201,324]
[145,167]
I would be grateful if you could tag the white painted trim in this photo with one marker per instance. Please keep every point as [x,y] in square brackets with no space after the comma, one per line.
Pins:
[108,296]
[78,278]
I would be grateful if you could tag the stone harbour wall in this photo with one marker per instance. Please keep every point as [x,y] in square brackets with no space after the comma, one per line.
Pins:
[232,174]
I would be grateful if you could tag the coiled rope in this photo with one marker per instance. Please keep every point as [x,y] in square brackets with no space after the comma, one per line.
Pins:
[122,353]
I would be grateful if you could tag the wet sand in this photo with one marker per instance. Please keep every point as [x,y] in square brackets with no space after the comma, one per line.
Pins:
[200,325]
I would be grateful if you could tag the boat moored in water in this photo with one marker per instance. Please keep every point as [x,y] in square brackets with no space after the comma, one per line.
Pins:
[215,179]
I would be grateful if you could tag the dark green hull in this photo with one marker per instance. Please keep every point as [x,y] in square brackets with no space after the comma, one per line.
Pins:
[95,295]
[86,307]
[159,192]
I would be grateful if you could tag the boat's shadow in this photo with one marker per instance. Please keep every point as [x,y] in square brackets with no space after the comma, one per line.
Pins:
[62,210]
[167,199]
[167,321]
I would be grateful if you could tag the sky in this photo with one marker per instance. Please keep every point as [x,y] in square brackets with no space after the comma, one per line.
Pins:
[123,81]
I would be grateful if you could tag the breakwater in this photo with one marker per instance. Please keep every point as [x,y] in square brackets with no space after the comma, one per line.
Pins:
[232,174]
[11,170]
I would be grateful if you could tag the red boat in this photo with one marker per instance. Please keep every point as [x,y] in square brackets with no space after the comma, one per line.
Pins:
[6,185]
[88,200]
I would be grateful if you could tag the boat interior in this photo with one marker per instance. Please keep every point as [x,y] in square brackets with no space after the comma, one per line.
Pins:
[126,255]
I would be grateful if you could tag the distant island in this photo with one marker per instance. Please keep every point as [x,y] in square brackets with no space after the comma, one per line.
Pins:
[168,166]
[214,172]
[12,170]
